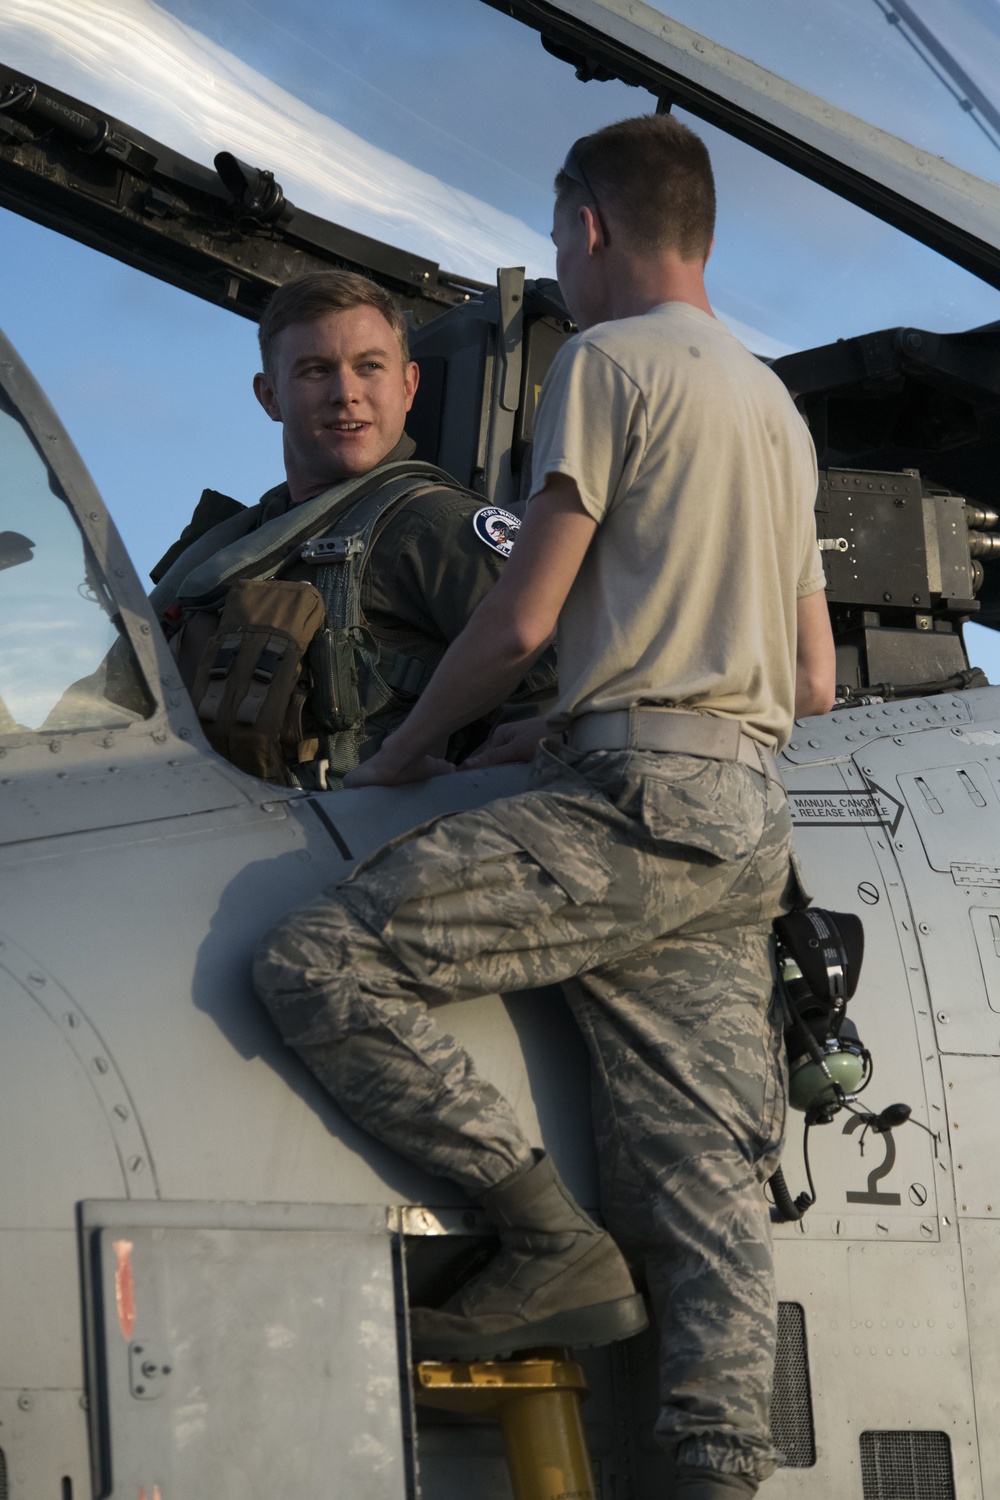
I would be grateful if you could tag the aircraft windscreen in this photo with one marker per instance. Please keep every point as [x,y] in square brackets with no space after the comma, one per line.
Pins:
[925,70]
[63,663]
[438,128]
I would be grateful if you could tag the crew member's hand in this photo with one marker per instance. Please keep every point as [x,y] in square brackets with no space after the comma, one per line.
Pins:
[509,742]
[391,766]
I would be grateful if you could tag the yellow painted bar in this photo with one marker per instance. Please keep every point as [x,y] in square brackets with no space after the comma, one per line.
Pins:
[546,1448]
[537,1402]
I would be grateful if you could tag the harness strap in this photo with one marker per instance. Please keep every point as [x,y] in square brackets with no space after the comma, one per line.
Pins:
[261,552]
[208,708]
[268,663]
[342,553]
[348,686]
[409,675]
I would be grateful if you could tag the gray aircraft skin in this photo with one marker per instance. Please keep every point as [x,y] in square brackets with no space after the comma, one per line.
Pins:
[204,1268]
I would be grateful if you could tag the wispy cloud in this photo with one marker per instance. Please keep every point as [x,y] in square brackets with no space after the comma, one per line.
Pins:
[134,60]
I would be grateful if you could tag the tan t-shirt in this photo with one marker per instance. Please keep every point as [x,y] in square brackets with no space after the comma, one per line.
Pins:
[692,457]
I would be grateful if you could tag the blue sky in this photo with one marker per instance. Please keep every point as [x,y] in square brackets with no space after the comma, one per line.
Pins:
[441,124]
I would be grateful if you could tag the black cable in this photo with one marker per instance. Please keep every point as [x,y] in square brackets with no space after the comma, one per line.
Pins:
[15,94]
[891,692]
[785,1209]
[803,1205]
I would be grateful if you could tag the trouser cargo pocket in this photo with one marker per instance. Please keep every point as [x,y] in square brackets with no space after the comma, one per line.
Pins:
[512,881]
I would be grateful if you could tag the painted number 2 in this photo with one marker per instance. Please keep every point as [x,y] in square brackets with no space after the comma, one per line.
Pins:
[876,1174]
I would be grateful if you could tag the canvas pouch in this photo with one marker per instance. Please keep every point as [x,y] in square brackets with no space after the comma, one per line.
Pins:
[249,688]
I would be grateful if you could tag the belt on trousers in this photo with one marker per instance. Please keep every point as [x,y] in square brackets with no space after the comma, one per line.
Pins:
[674,730]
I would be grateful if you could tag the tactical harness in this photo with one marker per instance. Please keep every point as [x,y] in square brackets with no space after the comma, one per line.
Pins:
[347,687]
[282,645]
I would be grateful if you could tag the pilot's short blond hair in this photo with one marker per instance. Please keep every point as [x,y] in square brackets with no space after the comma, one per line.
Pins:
[311,297]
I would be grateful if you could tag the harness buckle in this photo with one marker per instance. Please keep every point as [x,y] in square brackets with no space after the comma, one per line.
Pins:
[332,549]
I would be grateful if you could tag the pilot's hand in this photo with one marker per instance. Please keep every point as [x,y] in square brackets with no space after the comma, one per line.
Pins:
[389,767]
[509,742]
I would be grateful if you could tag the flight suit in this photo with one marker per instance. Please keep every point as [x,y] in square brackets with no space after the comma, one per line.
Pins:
[429,567]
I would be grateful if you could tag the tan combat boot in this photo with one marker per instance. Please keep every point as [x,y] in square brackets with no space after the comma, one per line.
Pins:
[559,1280]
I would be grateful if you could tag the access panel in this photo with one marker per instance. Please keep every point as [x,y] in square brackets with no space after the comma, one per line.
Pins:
[241,1352]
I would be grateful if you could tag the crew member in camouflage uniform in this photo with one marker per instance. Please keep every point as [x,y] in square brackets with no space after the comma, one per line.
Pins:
[338,377]
[671,538]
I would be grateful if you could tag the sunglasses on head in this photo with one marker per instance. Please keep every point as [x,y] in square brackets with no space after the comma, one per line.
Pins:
[573,170]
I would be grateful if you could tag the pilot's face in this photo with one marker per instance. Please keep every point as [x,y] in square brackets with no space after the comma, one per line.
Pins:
[342,392]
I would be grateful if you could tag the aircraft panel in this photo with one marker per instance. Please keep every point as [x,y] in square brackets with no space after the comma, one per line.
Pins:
[972,1085]
[209,1322]
[953,806]
[44,1451]
[39,1290]
[107,795]
[945,856]
[836,734]
[71,1119]
[980,1249]
[871,1187]
[221,880]
[888,1321]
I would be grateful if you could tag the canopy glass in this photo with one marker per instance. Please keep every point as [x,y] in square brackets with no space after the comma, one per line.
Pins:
[925,70]
[438,127]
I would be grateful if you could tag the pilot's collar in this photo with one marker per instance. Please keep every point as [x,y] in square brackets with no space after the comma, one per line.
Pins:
[275,502]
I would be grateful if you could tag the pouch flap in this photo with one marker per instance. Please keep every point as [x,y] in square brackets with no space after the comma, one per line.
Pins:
[685,811]
[560,845]
[277,604]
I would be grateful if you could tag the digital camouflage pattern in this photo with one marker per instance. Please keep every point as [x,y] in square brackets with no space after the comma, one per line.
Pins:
[647,884]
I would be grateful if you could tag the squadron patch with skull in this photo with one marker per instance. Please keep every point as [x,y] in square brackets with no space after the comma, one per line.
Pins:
[497,528]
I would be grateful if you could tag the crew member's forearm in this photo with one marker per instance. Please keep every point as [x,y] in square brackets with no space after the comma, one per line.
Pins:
[813,694]
[478,672]
[815,657]
[506,635]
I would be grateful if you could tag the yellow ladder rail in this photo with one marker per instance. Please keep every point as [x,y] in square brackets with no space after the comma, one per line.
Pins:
[537,1403]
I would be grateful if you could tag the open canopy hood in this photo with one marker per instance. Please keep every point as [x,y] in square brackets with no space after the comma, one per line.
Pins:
[231,235]
[948,209]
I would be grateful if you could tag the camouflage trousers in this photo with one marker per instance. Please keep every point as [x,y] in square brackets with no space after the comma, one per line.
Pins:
[646,884]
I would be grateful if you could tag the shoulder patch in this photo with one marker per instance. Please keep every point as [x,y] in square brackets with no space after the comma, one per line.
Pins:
[497,528]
